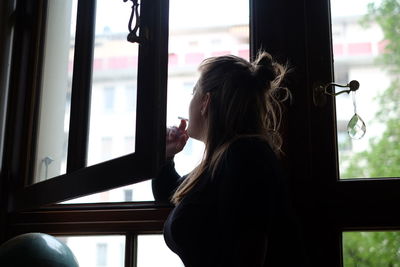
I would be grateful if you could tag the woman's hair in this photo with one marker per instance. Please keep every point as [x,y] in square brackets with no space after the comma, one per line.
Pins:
[245,100]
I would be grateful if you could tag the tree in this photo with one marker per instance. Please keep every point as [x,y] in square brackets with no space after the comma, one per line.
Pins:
[382,158]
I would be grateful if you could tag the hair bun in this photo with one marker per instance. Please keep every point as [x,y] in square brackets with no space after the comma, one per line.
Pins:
[264,70]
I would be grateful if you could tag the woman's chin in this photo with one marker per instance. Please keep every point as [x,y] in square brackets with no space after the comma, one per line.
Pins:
[194,136]
[191,135]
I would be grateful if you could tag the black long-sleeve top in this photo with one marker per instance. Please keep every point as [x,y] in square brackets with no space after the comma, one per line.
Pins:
[238,217]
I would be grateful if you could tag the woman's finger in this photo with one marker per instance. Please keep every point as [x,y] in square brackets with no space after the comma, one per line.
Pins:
[172,133]
[181,142]
[182,126]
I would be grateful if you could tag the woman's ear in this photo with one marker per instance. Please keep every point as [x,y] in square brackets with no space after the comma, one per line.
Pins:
[205,102]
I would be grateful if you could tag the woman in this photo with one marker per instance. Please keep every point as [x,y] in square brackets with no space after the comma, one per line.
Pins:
[232,209]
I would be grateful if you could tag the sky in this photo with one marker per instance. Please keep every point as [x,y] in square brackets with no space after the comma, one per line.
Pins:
[183,13]
[114,14]
[350,7]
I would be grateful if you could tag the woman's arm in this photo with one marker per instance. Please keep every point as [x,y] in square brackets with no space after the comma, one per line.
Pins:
[166,182]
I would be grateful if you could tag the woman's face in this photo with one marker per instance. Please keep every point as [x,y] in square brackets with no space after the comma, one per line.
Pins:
[198,108]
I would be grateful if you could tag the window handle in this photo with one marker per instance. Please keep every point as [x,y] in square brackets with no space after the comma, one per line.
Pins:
[353,86]
[320,91]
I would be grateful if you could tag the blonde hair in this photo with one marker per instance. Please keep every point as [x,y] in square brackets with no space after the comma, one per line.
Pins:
[245,100]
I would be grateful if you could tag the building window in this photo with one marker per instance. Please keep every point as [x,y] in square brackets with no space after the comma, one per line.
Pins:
[101,254]
[108,98]
[128,195]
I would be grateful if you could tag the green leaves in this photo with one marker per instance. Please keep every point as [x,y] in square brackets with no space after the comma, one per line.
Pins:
[387,15]
[370,249]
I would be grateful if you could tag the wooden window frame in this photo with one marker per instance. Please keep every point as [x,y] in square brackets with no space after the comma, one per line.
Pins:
[326,206]
[343,205]
[127,219]
[151,108]
[26,206]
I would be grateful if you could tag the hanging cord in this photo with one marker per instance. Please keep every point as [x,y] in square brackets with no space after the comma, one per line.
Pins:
[354,101]
[133,35]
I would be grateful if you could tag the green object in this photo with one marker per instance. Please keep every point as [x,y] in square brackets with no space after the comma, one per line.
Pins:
[36,249]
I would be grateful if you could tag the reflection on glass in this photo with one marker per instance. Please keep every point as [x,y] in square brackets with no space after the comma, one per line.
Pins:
[152,251]
[366,249]
[55,98]
[191,39]
[99,251]
[360,46]
[113,102]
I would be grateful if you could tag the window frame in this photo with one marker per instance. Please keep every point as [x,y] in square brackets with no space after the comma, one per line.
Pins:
[128,219]
[7,34]
[325,205]
[343,204]
[151,95]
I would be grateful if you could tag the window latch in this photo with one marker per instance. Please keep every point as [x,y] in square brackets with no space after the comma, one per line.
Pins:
[321,91]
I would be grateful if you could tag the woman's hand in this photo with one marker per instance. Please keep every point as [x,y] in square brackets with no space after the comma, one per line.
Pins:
[176,139]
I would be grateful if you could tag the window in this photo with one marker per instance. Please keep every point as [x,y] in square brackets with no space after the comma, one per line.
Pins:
[97,250]
[116,123]
[35,173]
[85,53]
[344,204]
[82,80]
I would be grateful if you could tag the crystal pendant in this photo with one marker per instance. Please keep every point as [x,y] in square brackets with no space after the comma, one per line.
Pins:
[356,127]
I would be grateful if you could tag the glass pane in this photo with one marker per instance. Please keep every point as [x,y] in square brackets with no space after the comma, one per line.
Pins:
[152,251]
[363,43]
[113,103]
[193,38]
[135,192]
[366,249]
[53,127]
[97,251]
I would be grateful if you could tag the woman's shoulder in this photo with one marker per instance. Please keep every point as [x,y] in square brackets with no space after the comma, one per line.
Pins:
[249,161]
[250,152]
